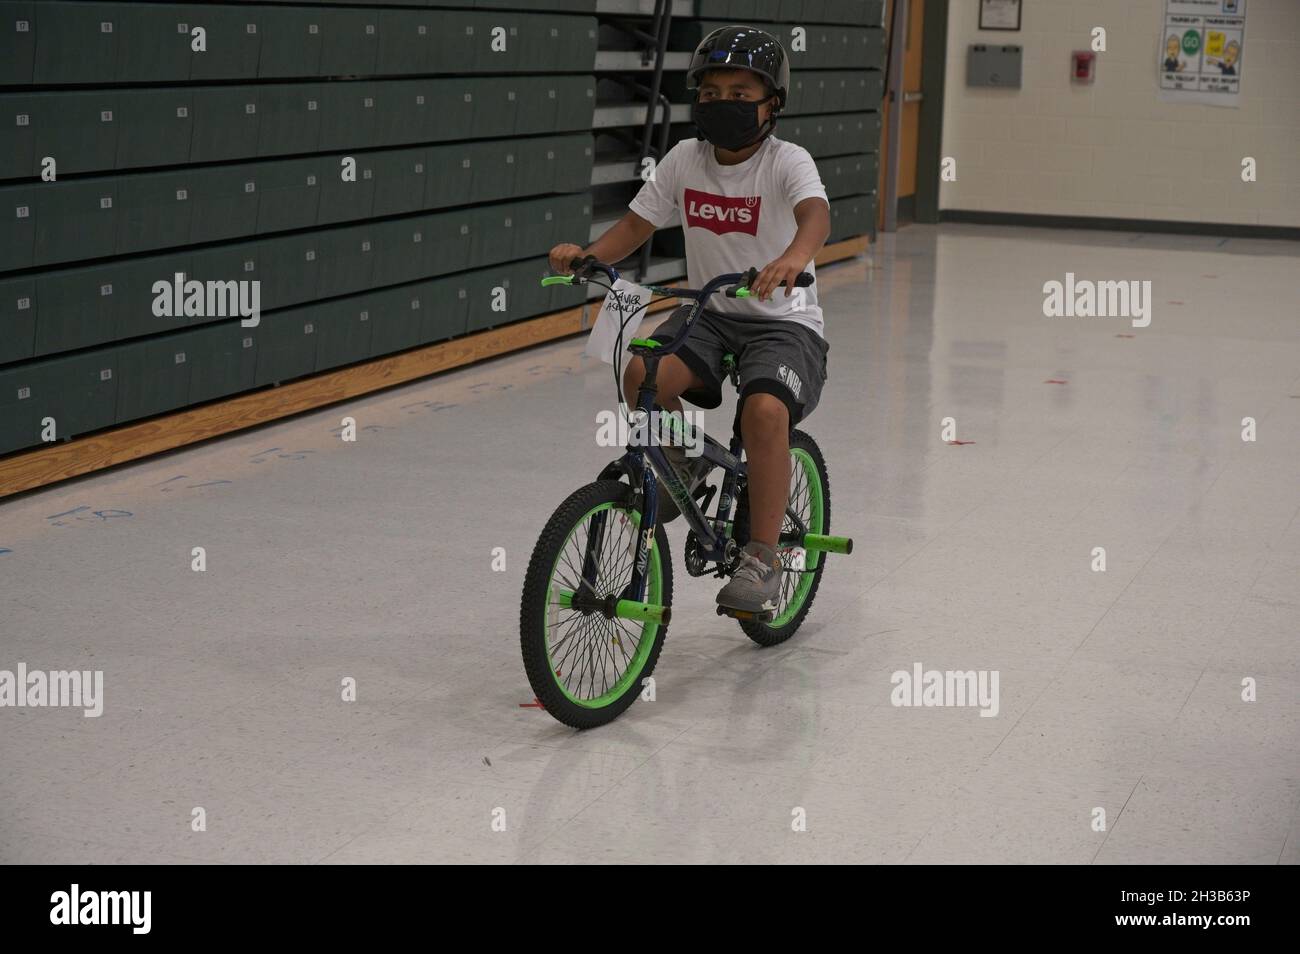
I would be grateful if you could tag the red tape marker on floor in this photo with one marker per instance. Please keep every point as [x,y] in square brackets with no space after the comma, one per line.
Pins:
[1055,381]
[960,443]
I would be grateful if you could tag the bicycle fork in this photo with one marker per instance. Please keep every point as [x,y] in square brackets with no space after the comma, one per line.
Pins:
[630,603]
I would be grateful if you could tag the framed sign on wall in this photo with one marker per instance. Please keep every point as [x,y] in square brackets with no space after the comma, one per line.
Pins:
[1202,51]
[999,14]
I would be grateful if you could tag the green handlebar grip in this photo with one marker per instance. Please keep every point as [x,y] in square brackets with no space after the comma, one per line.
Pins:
[558,280]
[743,293]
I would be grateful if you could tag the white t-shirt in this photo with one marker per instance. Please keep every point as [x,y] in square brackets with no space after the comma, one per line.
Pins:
[736,217]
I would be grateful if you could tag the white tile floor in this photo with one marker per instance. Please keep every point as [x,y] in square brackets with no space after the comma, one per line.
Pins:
[1119,690]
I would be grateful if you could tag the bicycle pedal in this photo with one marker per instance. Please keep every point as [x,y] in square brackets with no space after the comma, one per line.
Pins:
[764,617]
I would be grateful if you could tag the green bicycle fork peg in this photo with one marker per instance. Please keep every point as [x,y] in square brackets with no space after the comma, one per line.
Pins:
[645,612]
[825,544]
[625,609]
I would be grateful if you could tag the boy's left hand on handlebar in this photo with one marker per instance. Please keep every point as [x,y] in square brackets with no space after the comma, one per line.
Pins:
[561,255]
[784,269]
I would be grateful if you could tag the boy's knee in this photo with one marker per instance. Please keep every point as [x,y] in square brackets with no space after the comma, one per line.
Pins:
[765,413]
[671,382]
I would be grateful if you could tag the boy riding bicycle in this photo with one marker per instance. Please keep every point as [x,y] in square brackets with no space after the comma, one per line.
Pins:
[745,197]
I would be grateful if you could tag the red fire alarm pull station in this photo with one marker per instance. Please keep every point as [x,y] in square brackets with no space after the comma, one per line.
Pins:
[1085,66]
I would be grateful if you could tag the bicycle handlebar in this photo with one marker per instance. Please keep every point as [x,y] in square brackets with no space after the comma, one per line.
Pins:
[584,267]
[802,280]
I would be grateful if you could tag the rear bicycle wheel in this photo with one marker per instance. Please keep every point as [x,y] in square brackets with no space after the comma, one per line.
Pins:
[810,500]
[583,667]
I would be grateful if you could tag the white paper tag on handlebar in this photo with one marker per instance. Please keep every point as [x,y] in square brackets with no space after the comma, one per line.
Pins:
[623,299]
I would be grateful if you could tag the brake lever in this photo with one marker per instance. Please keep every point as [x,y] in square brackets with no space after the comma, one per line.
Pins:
[579,263]
[739,291]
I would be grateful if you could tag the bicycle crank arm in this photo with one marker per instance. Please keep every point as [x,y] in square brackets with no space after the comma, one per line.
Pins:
[613,608]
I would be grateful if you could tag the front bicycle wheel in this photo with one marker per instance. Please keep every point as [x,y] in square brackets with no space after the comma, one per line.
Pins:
[810,500]
[583,667]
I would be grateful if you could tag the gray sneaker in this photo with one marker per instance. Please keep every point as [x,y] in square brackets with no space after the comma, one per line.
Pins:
[692,470]
[756,584]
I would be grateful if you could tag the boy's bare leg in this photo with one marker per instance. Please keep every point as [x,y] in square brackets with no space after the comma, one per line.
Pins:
[765,429]
[673,380]
[755,585]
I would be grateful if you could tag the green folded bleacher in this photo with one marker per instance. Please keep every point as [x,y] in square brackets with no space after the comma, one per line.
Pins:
[469,131]
[468,126]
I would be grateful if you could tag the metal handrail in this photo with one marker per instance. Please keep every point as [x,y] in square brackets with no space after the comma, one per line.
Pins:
[662,21]
[654,44]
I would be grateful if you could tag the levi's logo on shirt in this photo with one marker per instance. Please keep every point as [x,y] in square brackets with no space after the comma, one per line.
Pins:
[720,213]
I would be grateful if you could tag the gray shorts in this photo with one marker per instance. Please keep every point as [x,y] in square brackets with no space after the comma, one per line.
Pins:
[773,356]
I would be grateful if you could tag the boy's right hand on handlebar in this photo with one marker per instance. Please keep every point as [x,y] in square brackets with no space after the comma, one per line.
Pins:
[562,255]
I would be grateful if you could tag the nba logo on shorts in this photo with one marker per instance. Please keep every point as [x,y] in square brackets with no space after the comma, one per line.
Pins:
[790,380]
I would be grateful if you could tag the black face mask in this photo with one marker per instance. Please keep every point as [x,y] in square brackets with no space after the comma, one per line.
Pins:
[729,123]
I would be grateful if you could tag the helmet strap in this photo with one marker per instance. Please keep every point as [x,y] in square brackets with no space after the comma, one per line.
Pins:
[769,125]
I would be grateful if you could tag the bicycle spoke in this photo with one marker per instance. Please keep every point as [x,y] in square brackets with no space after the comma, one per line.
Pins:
[798,514]
[580,632]
[623,631]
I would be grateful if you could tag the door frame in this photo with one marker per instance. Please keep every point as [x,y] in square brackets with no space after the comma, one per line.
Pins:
[934,44]
[929,144]
[893,115]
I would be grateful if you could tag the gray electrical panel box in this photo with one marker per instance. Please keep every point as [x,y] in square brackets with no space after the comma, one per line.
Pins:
[993,65]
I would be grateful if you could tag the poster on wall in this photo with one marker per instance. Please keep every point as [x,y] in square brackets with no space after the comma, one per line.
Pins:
[1202,49]
[1000,15]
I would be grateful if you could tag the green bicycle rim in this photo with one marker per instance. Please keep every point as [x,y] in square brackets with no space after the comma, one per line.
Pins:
[649,631]
[814,523]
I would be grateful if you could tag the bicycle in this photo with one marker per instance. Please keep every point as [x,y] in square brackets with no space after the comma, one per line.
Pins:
[601,568]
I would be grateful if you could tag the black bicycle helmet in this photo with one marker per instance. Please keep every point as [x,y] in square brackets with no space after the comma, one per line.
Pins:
[743,47]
